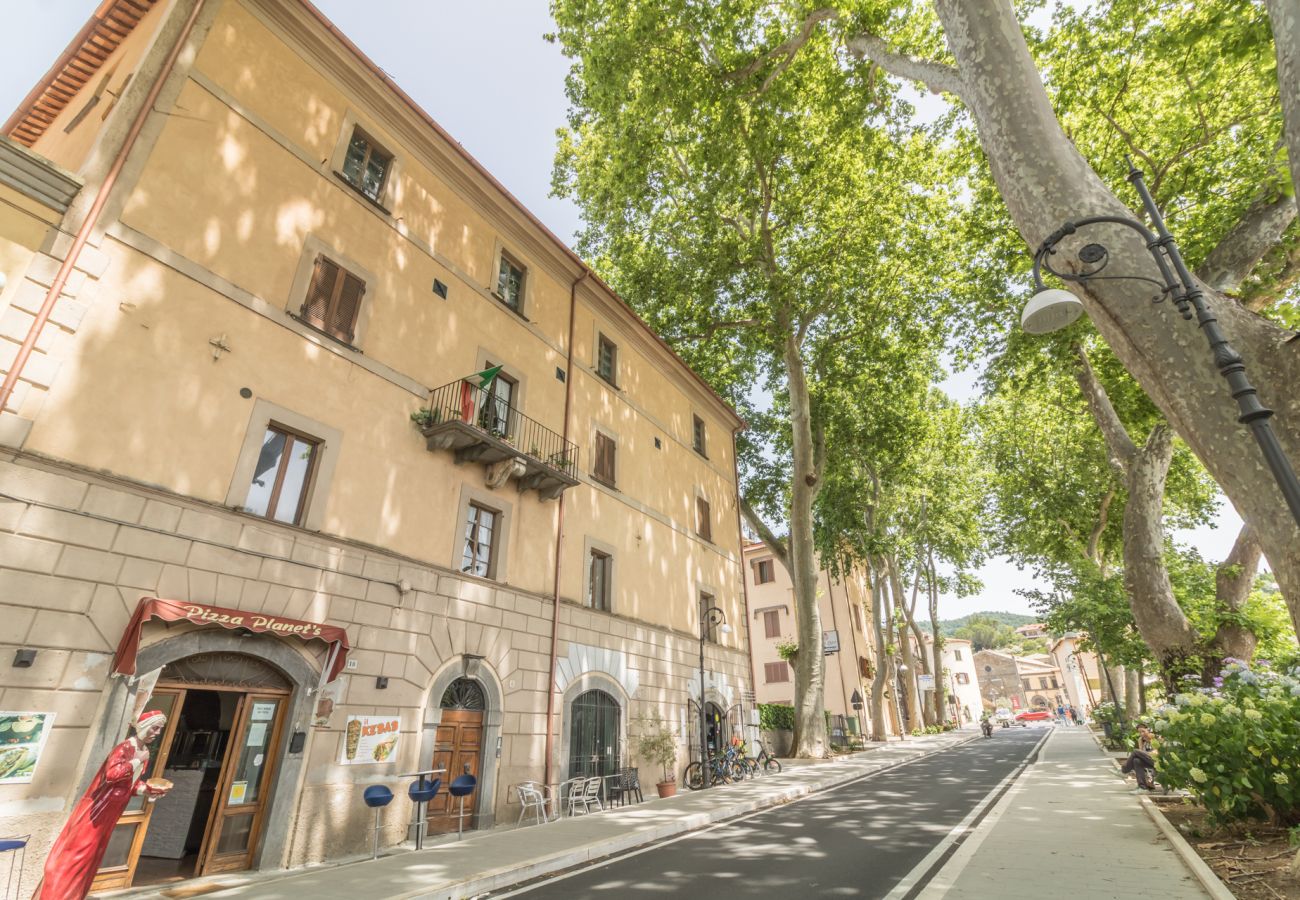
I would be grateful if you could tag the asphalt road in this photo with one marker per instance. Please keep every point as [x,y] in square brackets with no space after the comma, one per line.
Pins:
[857,840]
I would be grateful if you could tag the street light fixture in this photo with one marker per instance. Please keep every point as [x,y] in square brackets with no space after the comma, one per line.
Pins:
[1052,309]
[709,618]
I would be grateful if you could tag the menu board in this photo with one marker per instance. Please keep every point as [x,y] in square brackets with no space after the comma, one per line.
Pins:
[22,738]
[368,740]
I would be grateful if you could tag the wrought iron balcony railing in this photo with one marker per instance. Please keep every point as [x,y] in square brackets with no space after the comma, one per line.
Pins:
[481,425]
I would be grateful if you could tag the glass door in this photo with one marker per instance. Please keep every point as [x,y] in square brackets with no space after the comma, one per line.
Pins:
[118,865]
[245,785]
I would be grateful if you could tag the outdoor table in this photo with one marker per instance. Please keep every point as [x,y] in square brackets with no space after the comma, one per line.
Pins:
[419,807]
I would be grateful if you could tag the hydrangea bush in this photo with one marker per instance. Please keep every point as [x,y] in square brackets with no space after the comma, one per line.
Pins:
[1236,746]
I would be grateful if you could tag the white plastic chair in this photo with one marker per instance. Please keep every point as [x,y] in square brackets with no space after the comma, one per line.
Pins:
[570,794]
[532,797]
[591,794]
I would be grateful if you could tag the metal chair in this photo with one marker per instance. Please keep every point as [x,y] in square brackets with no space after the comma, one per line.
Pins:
[18,847]
[531,796]
[462,786]
[591,794]
[421,792]
[570,794]
[377,796]
[630,786]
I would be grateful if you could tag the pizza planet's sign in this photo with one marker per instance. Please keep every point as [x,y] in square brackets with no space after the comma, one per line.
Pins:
[233,619]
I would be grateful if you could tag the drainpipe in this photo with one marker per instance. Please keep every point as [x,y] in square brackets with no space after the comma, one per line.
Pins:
[559,532]
[96,208]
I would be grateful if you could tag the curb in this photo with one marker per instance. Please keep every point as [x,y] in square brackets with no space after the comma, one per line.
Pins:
[1187,853]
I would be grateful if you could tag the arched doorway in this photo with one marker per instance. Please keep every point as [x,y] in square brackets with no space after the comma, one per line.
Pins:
[458,748]
[715,721]
[225,718]
[594,735]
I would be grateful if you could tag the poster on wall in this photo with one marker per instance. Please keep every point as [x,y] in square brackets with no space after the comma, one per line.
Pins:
[368,740]
[22,738]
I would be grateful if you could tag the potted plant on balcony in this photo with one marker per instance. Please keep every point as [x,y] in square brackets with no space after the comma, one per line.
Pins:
[659,745]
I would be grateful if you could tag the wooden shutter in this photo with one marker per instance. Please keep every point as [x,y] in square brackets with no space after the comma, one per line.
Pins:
[776,672]
[315,307]
[343,321]
[705,527]
[772,623]
[604,458]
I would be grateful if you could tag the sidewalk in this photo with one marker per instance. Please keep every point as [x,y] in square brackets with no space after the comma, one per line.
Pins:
[489,860]
[1068,824]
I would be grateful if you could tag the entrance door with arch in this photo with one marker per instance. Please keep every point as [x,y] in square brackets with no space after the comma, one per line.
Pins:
[458,748]
[225,715]
[594,741]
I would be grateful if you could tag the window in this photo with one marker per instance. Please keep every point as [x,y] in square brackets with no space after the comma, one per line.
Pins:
[776,672]
[963,678]
[496,416]
[333,300]
[865,669]
[283,475]
[698,435]
[1054,684]
[366,166]
[478,557]
[1042,683]
[772,623]
[510,282]
[704,519]
[956,654]
[607,360]
[763,571]
[857,616]
[706,603]
[604,459]
[598,582]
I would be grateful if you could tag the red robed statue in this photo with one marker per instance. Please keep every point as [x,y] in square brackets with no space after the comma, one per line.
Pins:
[74,859]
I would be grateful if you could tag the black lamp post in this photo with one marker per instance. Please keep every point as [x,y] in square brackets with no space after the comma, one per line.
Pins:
[709,618]
[1052,309]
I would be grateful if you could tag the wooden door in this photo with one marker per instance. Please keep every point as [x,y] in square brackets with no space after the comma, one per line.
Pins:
[117,868]
[458,749]
[244,788]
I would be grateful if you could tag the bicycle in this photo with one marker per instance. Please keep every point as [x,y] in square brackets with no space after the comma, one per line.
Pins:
[765,761]
[719,773]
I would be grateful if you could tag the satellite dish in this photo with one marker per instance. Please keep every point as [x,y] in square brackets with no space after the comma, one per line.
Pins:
[1050,310]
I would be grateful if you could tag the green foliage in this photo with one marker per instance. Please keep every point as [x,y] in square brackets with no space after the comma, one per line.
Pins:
[949,627]
[658,744]
[775,717]
[986,633]
[787,650]
[1236,748]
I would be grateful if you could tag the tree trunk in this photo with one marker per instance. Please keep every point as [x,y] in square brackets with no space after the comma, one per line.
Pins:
[809,687]
[1284,16]
[1159,618]
[927,710]
[932,593]
[1044,182]
[914,717]
[1232,584]
[879,732]
[1132,693]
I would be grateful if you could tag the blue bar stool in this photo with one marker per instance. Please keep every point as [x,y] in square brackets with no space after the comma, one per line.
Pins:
[377,796]
[421,792]
[18,847]
[462,787]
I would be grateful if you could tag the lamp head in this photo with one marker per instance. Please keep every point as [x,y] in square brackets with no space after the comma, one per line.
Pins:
[1050,310]
[726,629]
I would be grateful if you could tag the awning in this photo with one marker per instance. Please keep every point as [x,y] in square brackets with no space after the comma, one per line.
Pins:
[233,619]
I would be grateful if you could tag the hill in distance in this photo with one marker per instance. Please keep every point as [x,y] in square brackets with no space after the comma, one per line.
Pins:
[948,627]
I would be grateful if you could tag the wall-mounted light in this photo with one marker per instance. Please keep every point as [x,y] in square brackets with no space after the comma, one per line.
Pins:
[24,658]
[381,683]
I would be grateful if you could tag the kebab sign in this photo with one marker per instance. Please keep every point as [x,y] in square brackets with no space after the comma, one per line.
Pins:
[368,740]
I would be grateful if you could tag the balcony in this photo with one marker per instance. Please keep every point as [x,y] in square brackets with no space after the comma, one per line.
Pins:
[479,426]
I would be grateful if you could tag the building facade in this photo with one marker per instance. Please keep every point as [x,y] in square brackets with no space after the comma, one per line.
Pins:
[1080,671]
[846,640]
[1025,682]
[962,688]
[283,356]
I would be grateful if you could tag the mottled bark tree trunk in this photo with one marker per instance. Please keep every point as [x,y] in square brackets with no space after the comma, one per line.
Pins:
[1232,583]
[914,717]
[932,595]
[1284,15]
[879,599]
[809,686]
[1044,182]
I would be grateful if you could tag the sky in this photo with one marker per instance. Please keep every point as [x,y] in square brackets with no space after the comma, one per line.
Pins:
[483,70]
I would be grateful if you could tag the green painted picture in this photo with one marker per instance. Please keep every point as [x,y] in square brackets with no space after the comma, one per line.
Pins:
[22,737]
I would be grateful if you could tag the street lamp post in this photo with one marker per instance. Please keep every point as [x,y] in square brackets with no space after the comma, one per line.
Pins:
[710,617]
[1052,309]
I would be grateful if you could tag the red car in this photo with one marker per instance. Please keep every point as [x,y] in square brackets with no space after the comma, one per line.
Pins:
[1033,715]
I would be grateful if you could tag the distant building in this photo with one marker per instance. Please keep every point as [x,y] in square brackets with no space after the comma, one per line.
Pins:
[961,685]
[1080,669]
[1027,682]
[1032,631]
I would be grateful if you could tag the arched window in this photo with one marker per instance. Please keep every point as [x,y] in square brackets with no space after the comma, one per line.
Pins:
[464,693]
[594,735]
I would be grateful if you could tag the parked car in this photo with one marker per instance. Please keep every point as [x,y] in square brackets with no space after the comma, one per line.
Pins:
[1033,715]
[1003,716]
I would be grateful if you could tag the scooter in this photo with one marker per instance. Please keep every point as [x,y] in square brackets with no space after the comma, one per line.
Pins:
[987,727]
